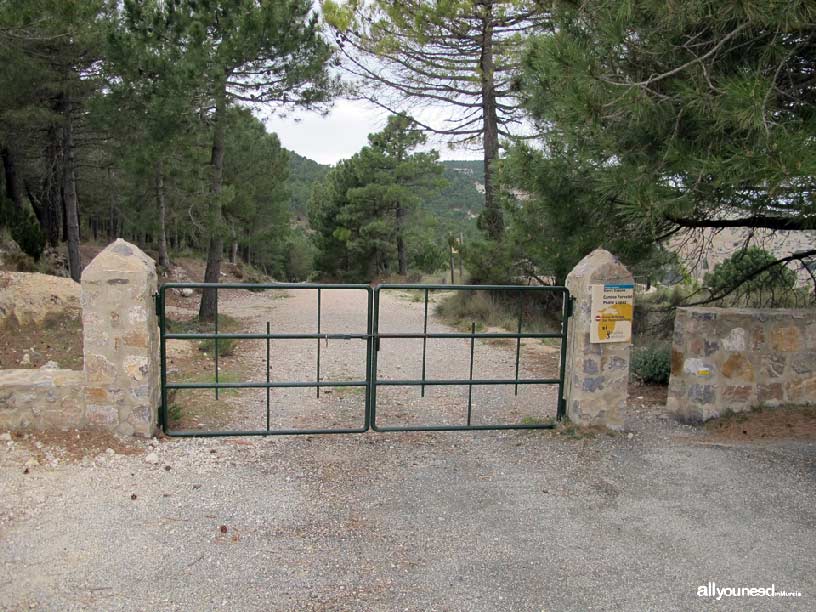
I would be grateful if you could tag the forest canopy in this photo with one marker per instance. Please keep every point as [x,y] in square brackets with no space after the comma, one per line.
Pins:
[628,125]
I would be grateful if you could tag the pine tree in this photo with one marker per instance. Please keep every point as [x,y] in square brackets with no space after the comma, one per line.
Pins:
[698,114]
[459,54]
[362,212]
[257,52]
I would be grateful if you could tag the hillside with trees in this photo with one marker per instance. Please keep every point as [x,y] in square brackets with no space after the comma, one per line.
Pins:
[456,204]
[304,174]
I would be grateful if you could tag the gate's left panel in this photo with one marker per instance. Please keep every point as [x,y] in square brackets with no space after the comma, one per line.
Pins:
[277,359]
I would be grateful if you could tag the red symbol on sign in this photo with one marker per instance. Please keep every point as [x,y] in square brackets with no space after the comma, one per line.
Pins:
[597,317]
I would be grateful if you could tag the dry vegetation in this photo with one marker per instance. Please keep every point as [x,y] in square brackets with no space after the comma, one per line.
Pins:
[787,422]
[58,338]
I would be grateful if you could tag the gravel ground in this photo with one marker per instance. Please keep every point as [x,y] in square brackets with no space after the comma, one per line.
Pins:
[493,521]
[443,521]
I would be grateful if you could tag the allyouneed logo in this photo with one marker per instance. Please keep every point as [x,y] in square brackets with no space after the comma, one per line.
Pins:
[712,590]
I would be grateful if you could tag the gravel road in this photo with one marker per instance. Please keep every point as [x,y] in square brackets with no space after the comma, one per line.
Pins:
[469,521]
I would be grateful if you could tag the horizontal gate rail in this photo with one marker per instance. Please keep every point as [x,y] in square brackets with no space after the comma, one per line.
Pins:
[271,385]
[242,336]
[468,335]
[390,382]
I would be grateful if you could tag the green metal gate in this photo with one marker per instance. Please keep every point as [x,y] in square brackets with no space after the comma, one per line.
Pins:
[372,337]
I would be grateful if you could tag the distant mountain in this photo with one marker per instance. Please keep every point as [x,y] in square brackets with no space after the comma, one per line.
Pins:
[462,199]
[459,202]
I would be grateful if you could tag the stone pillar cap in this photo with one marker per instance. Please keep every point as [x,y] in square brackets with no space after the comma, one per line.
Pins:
[119,257]
[600,263]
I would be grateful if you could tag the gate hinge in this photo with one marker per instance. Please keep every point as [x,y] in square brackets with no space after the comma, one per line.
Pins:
[570,306]
[562,409]
[157,299]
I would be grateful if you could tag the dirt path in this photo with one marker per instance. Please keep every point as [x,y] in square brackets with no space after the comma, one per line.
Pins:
[344,311]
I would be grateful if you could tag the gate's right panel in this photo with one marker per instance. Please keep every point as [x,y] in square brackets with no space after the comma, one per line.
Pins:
[454,357]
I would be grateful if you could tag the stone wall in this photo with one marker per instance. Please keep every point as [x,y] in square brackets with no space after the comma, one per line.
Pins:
[119,389]
[42,399]
[733,359]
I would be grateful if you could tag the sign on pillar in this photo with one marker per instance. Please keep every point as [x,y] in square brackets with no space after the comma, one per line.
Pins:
[612,306]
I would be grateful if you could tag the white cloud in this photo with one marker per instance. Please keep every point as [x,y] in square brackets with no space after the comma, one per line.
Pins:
[342,133]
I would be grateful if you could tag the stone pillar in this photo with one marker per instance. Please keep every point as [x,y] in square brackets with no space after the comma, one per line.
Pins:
[597,375]
[121,341]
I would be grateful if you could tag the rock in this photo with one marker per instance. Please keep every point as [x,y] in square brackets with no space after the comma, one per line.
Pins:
[26,360]
[187,292]
[28,298]
[5,437]
[631,435]
[32,462]
[152,459]
[110,451]
[50,365]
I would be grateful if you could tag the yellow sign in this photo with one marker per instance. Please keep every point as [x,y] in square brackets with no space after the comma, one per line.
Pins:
[611,312]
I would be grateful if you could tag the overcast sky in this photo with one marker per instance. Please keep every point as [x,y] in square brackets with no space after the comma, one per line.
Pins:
[343,132]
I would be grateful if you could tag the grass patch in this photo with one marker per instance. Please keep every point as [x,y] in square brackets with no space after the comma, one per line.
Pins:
[184,407]
[213,413]
[226,346]
[343,392]
[225,376]
[531,421]
[226,323]
[570,430]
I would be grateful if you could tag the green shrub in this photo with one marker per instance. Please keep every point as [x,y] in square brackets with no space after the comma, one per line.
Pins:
[652,364]
[25,229]
[773,287]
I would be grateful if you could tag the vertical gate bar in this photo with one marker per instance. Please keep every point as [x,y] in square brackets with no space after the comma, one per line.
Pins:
[267,376]
[215,343]
[565,314]
[518,338]
[318,341]
[163,351]
[367,417]
[375,346]
[470,385]
[424,342]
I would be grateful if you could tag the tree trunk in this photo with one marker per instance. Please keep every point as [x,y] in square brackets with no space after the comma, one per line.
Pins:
[164,260]
[69,194]
[212,274]
[111,209]
[492,215]
[14,190]
[450,253]
[461,253]
[402,260]
[234,252]
[50,209]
